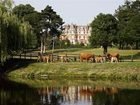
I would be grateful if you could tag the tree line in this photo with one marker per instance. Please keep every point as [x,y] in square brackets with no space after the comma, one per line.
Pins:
[121,29]
[22,27]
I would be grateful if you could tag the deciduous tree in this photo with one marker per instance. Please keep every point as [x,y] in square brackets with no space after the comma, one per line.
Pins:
[104,31]
[14,34]
[51,24]
[128,24]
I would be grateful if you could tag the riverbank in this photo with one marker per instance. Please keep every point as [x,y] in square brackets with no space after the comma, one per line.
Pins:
[126,71]
[37,83]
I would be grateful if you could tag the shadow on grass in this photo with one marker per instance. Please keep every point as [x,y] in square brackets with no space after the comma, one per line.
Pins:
[14,64]
[137,55]
[134,56]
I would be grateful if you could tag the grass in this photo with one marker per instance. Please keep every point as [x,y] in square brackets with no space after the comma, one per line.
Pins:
[128,71]
[94,50]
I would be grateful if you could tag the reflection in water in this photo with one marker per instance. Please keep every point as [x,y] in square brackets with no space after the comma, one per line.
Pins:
[17,94]
[74,94]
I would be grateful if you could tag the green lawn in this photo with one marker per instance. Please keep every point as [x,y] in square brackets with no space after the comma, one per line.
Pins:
[111,71]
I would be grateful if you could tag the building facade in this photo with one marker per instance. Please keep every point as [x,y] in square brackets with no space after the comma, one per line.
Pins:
[76,34]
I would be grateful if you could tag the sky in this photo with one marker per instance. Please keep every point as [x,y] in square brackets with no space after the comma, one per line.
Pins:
[80,12]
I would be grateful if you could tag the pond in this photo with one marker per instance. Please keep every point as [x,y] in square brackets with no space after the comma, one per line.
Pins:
[58,92]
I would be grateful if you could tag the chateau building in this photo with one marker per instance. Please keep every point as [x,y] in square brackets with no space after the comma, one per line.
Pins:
[76,34]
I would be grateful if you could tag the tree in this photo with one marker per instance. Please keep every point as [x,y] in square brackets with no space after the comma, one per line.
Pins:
[14,34]
[127,16]
[45,23]
[104,31]
[28,13]
[5,6]
[23,10]
[51,25]
[134,30]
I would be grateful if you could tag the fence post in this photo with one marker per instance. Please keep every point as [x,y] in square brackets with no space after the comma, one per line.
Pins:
[20,55]
[66,57]
[75,59]
[57,57]
[25,55]
[11,56]
[131,55]
[30,56]
[132,58]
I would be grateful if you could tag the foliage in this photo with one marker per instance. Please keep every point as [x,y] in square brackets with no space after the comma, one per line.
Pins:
[51,22]
[51,25]
[129,23]
[104,29]
[45,24]
[23,10]
[64,43]
[134,31]
[15,35]
[27,13]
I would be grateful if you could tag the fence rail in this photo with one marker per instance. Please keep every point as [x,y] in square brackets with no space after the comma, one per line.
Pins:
[35,56]
[24,56]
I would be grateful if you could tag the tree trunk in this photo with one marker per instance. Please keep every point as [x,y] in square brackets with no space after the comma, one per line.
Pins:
[0,36]
[53,46]
[44,43]
[105,50]
[120,45]
[41,48]
[44,48]
[137,45]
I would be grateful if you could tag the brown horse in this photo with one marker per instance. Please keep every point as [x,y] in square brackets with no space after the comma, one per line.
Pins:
[113,57]
[99,59]
[87,57]
[44,58]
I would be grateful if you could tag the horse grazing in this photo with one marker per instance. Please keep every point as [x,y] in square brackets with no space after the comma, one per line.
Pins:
[114,57]
[99,59]
[87,57]
[44,58]
[64,58]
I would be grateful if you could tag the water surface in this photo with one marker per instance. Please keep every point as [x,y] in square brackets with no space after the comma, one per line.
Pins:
[55,92]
